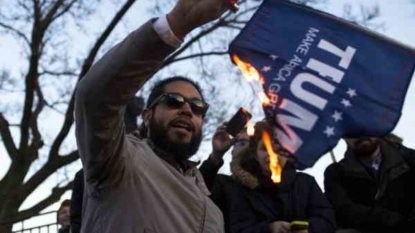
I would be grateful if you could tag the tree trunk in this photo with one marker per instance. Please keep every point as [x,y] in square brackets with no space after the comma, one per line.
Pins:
[6,228]
[6,222]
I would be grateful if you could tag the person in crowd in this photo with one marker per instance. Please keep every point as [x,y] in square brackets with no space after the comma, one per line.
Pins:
[261,206]
[221,185]
[372,189]
[63,217]
[77,202]
[145,185]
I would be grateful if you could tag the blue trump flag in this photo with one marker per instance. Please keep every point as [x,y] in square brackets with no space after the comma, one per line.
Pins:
[326,78]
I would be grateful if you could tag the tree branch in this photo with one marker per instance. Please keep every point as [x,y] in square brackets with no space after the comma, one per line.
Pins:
[193,40]
[65,9]
[31,79]
[218,53]
[37,142]
[50,14]
[56,194]
[15,31]
[7,137]
[69,119]
[48,169]
[55,73]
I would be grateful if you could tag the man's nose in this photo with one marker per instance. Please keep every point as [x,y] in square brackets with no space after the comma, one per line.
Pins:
[186,110]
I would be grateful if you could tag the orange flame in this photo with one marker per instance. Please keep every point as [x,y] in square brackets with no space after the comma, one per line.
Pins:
[250,130]
[244,110]
[264,99]
[251,74]
[273,158]
[248,71]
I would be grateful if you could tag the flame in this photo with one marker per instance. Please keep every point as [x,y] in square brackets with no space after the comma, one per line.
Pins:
[264,99]
[250,130]
[248,71]
[244,110]
[251,74]
[273,158]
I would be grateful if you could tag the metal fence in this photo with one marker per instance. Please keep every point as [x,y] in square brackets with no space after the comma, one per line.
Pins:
[37,224]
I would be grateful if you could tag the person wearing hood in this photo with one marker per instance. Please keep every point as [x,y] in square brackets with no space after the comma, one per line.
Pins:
[261,206]
[221,185]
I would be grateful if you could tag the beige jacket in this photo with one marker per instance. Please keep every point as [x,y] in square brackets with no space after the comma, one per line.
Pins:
[129,189]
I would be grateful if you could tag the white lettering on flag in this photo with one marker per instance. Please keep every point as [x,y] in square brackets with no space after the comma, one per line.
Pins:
[346,56]
[325,70]
[301,118]
[311,98]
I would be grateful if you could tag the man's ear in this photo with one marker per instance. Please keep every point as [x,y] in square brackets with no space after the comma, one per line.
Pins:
[146,114]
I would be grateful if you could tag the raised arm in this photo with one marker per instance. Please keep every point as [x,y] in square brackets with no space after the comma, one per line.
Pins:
[103,92]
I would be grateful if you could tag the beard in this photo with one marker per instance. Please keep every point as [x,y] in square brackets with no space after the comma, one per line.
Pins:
[181,151]
[365,147]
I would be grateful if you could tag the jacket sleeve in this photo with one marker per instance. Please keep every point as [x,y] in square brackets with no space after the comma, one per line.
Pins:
[76,202]
[209,171]
[243,217]
[353,215]
[319,211]
[101,97]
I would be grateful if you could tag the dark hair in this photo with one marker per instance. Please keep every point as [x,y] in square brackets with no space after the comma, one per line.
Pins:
[65,203]
[158,88]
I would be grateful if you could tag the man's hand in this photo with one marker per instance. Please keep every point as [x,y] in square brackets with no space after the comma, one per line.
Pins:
[280,227]
[221,142]
[190,14]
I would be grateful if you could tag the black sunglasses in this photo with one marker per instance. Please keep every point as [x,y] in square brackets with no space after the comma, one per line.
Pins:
[175,101]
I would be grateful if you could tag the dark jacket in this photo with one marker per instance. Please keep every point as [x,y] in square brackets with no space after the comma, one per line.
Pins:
[374,204]
[209,171]
[256,204]
[222,197]
[76,202]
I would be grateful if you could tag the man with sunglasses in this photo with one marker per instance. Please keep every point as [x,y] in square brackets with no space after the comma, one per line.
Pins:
[145,185]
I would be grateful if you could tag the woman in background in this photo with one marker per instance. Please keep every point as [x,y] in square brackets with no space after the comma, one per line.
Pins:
[260,206]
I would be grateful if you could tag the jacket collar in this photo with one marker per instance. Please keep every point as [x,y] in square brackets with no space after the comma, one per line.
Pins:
[392,163]
[186,167]
[260,202]
[252,182]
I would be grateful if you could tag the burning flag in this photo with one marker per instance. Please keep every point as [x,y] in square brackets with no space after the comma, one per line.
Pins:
[251,74]
[323,78]
[274,164]
[250,129]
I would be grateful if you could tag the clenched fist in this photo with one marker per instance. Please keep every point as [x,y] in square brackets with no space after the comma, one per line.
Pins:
[190,14]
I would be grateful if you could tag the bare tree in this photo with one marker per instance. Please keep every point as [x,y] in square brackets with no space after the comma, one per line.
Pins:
[39,26]
[366,16]
[50,76]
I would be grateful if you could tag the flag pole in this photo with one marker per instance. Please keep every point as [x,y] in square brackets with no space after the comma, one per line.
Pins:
[333,157]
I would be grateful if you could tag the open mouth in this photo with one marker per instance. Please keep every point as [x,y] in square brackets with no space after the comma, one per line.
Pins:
[183,124]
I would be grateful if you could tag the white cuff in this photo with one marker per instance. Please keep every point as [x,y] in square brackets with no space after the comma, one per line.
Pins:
[162,27]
